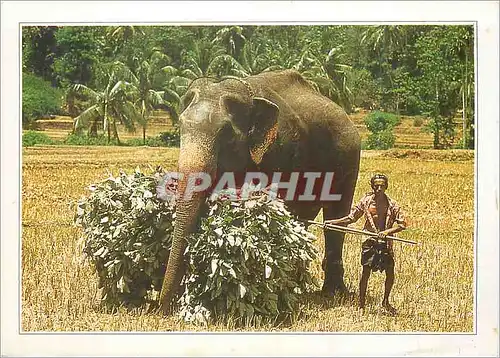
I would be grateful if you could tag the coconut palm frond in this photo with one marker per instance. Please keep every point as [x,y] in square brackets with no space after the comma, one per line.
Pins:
[120,70]
[189,73]
[158,57]
[169,94]
[169,70]
[116,89]
[240,72]
[86,117]
[273,68]
[154,97]
[86,91]
[131,115]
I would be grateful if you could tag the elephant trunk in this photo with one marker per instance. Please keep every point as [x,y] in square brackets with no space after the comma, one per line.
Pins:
[193,158]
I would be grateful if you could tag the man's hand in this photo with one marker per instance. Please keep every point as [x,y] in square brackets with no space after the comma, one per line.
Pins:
[382,234]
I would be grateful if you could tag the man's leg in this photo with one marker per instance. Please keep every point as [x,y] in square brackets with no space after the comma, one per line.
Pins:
[389,282]
[363,284]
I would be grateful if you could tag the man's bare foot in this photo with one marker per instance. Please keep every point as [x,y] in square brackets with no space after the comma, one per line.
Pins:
[389,309]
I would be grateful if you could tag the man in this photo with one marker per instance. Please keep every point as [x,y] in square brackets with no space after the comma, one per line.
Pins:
[381,213]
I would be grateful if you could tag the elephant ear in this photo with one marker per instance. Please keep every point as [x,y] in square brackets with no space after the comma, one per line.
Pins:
[189,97]
[263,127]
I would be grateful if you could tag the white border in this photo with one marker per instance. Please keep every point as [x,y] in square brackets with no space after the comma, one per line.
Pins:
[485,342]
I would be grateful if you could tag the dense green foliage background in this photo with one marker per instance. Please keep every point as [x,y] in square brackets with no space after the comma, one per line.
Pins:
[124,72]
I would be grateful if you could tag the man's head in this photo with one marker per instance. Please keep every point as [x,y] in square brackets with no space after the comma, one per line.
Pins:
[379,183]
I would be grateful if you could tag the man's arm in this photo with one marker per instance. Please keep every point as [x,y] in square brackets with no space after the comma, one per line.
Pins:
[346,220]
[354,215]
[400,222]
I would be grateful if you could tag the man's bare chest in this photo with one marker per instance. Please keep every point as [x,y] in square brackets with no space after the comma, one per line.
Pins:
[378,211]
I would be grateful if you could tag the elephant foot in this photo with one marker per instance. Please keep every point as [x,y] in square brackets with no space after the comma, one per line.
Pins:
[165,309]
[339,289]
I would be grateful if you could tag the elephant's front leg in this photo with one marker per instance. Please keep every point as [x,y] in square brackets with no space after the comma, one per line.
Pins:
[333,265]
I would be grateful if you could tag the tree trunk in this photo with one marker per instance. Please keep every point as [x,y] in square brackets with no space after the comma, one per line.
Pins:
[464,118]
[106,122]
[436,120]
[93,129]
[115,133]
[144,134]
[464,104]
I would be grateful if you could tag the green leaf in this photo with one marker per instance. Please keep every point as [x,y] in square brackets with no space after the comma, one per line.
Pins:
[243,290]
[268,271]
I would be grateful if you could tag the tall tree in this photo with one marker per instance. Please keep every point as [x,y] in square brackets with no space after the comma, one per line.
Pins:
[115,102]
[328,73]
[440,82]
[254,59]
[79,50]
[232,38]
[39,47]
[206,59]
[174,86]
[149,77]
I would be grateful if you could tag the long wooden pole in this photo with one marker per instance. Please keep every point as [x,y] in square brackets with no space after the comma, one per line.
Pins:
[359,232]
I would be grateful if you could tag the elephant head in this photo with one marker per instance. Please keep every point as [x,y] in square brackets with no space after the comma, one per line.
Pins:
[222,124]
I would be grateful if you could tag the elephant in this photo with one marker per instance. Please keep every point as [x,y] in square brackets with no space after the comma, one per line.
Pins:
[272,121]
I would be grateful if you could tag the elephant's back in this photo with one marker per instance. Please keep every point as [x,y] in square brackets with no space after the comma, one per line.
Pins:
[297,97]
[310,123]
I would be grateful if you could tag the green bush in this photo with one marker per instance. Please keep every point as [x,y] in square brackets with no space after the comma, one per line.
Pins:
[380,140]
[378,121]
[380,124]
[418,122]
[83,139]
[171,139]
[31,138]
[364,88]
[150,142]
[39,98]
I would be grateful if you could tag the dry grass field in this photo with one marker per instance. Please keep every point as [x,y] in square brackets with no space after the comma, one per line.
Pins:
[434,290]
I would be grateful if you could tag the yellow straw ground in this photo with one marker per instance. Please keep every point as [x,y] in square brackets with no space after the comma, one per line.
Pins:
[434,281]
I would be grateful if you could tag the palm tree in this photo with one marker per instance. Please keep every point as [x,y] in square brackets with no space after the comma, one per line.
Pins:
[113,103]
[254,60]
[150,75]
[174,86]
[385,39]
[232,38]
[206,59]
[327,74]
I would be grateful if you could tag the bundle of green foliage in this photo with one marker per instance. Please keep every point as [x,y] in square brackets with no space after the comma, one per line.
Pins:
[381,125]
[39,98]
[126,234]
[31,138]
[249,260]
